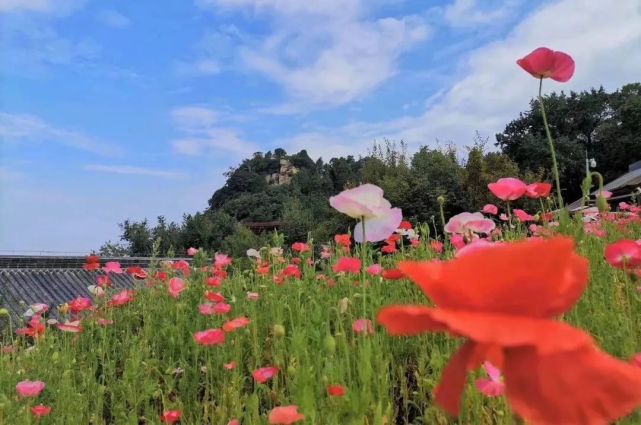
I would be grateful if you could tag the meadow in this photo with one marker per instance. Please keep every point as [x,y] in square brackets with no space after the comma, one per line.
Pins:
[535,317]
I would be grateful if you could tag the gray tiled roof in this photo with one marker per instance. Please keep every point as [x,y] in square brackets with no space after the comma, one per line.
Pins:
[21,287]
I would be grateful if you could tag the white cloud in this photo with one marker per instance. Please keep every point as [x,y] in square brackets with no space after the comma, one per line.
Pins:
[204,134]
[133,171]
[469,13]
[54,7]
[114,19]
[20,128]
[30,45]
[491,90]
[326,53]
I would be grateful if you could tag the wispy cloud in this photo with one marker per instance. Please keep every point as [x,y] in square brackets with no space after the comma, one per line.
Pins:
[21,128]
[203,133]
[491,90]
[113,19]
[325,53]
[472,13]
[134,171]
[54,7]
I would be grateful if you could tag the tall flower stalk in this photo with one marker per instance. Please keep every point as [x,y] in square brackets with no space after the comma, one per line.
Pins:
[555,164]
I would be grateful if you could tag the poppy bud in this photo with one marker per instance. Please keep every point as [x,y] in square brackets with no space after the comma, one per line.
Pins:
[279,331]
[602,204]
[4,312]
[291,369]
[440,200]
[330,344]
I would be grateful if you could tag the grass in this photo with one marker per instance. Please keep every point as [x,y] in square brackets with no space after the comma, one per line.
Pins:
[148,362]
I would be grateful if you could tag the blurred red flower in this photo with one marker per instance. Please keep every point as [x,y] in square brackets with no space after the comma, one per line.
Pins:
[504,305]
[546,63]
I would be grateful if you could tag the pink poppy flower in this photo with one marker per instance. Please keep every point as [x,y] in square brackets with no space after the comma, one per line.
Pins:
[210,337]
[171,416]
[112,267]
[291,270]
[40,410]
[546,63]
[233,422]
[137,272]
[207,309]
[457,241]
[625,253]
[222,261]
[237,323]
[522,216]
[285,415]
[73,327]
[192,251]
[121,298]
[176,286]
[253,296]
[494,386]
[374,270]
[475,246]
[103,280]
[230,366]
[347,265]
[508,189]
[222,308]
[363,326]
[30,388]
[264,374]
[466,222]
[104,322]
[490,209]
[214,282]
[538,190]
[366,203]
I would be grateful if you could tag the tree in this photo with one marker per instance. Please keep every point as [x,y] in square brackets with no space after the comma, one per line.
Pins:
[605,126]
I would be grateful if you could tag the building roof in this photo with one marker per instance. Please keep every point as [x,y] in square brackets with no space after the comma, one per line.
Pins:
[19,288]
[621,187]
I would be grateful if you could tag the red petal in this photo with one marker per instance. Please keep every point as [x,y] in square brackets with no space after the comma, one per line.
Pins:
[585,386]
[540,278]
[450,389]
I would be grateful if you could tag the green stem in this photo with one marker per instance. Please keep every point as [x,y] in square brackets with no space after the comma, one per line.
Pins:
[555,165]
[363,254]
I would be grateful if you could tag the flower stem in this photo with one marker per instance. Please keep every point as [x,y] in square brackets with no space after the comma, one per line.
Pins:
[363,254]
[555,165]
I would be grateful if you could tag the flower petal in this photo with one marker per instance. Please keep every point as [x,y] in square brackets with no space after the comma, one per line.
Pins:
[540,278]
[379,227]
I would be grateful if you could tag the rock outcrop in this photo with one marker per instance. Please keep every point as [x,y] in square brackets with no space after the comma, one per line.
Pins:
[284,175]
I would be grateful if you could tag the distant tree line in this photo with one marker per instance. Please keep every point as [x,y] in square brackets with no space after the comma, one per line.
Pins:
[593,124]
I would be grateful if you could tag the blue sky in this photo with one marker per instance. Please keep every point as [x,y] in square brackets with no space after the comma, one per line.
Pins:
[131,109]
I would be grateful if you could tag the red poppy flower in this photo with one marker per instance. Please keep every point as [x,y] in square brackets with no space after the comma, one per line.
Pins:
[291,270]
[538,190]
[285,415]
[343,240]
[389,248]
[300,247]
[171,416]
[546,63]
[504,306]
[79,304]
[393,274]
[92,262]
[237,323]
[40,410]
[347,265]
[336,390]
[210,337]
[405,225]
[137,272]
[214,297]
